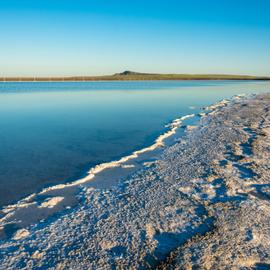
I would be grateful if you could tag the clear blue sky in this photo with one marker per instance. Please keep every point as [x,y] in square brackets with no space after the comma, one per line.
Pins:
[78,37]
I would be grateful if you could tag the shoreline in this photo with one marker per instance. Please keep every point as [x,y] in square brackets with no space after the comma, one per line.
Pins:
[159,216]
[54,199]
[131,80]
[135,76]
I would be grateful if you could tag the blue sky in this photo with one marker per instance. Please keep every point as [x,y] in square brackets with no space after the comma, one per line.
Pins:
[51,38]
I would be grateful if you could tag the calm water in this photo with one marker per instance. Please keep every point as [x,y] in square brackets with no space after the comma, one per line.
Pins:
[52,133]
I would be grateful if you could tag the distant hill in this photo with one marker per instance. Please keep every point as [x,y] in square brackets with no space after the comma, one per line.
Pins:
[137,76]
[133,73]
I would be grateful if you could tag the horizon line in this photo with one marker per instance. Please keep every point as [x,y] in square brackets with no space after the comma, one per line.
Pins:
[134,76]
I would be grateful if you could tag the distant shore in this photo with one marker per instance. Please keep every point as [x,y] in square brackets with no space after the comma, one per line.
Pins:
[135,76]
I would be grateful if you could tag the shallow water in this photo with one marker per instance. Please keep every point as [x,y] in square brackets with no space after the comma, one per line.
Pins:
[51,133]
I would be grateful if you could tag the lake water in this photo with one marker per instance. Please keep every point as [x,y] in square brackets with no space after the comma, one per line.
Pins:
[52,133]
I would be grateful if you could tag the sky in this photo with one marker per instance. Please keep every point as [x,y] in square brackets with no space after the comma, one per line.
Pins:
[95,37]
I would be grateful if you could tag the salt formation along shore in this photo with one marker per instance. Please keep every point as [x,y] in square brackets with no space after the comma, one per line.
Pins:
[205,204]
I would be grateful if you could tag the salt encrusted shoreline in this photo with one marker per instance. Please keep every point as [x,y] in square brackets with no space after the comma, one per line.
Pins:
[204,204]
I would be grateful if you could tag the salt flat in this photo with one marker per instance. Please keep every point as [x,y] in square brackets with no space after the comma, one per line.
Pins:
[204,204]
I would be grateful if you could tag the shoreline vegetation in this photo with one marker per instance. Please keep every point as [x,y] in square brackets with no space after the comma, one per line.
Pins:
[135,76]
